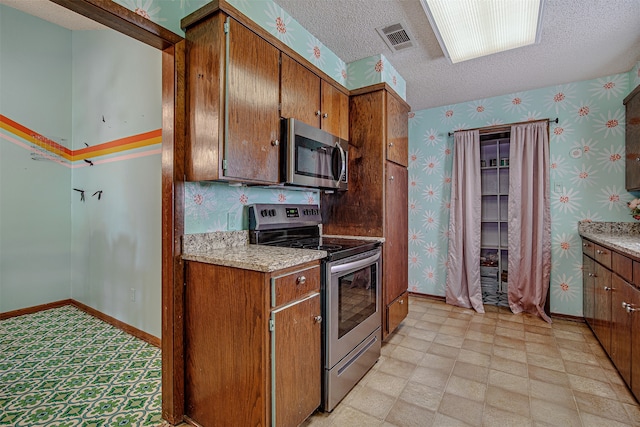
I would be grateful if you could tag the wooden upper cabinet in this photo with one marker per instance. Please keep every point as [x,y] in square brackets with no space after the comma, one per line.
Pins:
[234,123]
[300,92]
[632,140]
[397,131]
[312,100]
[335,111]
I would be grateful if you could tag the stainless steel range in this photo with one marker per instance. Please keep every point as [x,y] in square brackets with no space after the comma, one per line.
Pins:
[350,291]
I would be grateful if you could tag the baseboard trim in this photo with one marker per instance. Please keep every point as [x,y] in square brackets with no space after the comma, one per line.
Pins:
[35,309]
[558,316]
[569,317]
[427,296]
[144,336]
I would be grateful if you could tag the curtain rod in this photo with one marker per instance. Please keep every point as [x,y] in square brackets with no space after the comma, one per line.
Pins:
[506,125]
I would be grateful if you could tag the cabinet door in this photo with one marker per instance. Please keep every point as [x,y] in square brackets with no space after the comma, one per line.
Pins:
[335,111]
[635,343]
[632,141]
[602,306]
[397,311]
[621,327]
[300,93]
[253,119]
[296,359]
[396,246]
[588,289]
[397,131]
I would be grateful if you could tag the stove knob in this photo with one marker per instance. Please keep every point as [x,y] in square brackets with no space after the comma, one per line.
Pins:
[272,212]
[263,212]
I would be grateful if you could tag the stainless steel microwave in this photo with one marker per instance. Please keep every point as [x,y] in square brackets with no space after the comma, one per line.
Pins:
[312,157]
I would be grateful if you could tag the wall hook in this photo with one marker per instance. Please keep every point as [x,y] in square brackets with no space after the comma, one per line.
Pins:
[81,194]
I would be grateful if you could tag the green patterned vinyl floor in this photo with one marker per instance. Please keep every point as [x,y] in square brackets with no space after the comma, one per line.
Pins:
[63,367]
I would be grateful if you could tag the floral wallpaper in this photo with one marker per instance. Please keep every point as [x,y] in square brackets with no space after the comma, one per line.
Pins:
[587,174]
[216,206]
[278,22]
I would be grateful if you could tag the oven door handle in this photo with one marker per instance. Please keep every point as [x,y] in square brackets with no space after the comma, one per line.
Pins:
[355,264]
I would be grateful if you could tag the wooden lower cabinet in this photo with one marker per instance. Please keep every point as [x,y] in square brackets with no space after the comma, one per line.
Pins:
[621,295]
[616,308]
[588,289]
[602,306]
[252,345]
[397,311]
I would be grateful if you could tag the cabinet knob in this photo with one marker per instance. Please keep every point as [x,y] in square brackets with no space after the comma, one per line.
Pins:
[637,159]
[401,301]
[301,280]
[275,142]
[606,288]
[585,245]
[391,178]
[317,319]
[391,144]
[630,309]
[624,304]
[318,112]
[590,274]
[325,115]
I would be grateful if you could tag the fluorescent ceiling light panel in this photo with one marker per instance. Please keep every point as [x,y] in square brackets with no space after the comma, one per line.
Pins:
[468,29]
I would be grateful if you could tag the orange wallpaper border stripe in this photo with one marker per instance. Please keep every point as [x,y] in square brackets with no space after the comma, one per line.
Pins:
[123,144]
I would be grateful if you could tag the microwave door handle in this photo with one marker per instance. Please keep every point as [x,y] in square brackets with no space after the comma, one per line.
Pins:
[343,159]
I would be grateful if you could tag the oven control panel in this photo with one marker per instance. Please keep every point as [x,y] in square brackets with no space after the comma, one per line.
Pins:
[263,216]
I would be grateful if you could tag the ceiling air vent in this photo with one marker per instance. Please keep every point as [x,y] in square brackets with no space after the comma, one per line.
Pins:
[396,36]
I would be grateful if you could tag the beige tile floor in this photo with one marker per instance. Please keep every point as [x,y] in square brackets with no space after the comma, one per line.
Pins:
[448,366]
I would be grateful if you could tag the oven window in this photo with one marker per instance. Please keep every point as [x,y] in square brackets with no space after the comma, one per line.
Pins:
[356,298]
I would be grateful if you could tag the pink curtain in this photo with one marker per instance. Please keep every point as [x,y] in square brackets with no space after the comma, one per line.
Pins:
[463,259]
[529,219]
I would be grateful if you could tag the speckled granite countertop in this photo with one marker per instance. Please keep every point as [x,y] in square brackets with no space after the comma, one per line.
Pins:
[623,237]
[232,249]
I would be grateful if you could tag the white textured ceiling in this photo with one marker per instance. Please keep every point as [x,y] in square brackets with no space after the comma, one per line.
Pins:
[580,40]
[54,13]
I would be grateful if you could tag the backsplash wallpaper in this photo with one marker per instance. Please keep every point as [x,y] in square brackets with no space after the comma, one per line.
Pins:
[278,22]
[587,174]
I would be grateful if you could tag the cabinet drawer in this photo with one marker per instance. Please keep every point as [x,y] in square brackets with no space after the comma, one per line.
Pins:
[603,255]
[622,265]
[588,248]
[294,285]
[397,311]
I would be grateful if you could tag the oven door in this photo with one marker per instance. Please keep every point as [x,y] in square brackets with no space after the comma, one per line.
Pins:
[352,311]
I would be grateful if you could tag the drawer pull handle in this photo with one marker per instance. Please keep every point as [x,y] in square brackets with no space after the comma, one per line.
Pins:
[606,288]
[301,280]
[601,252]
[630,309]
[317,319]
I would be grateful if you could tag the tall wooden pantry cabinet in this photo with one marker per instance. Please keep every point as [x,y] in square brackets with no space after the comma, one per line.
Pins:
[376,204]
